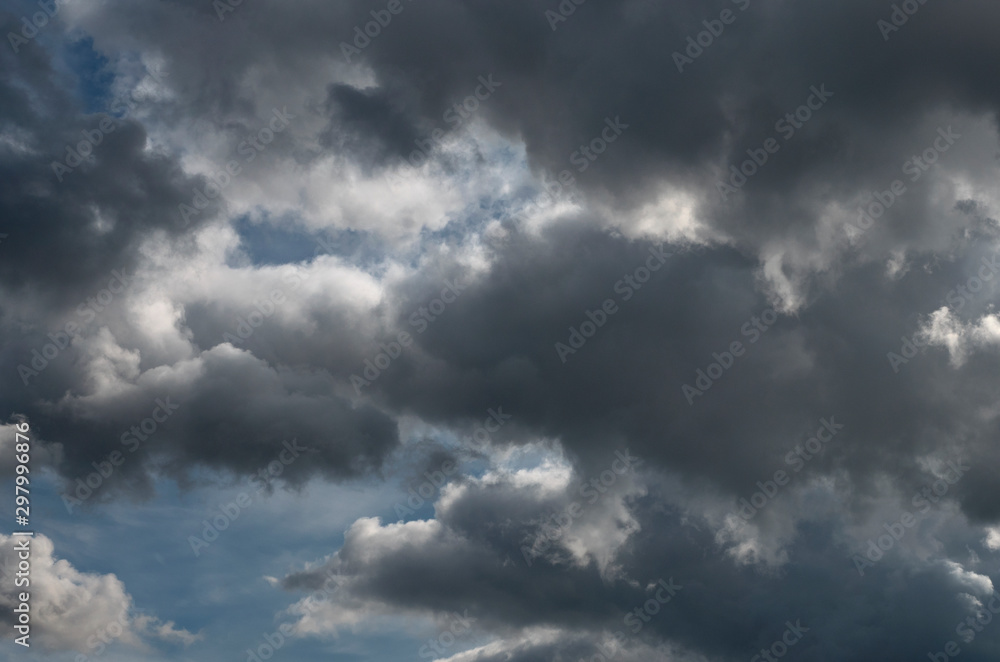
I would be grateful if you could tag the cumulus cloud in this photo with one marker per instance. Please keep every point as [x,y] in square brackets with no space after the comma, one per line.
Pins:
[76,611]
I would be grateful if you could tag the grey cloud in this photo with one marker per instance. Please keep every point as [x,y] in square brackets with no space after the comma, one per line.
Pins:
[782,238]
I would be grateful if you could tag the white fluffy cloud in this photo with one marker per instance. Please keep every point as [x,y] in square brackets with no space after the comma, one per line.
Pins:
[77,611]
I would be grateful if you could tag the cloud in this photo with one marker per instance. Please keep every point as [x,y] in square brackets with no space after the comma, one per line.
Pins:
[943,329]
[786,230]
[76,611]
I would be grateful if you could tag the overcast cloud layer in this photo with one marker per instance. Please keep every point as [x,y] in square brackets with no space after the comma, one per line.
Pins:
[581,330]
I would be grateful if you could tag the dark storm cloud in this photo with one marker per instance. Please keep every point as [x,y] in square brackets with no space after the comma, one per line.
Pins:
[617,59]
[721,611]
[72,232]
[830,361]
[68,228]
[376,125]
[498,345]
[226,411]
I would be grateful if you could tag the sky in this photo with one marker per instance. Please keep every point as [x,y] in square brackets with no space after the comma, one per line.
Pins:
[481,331]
